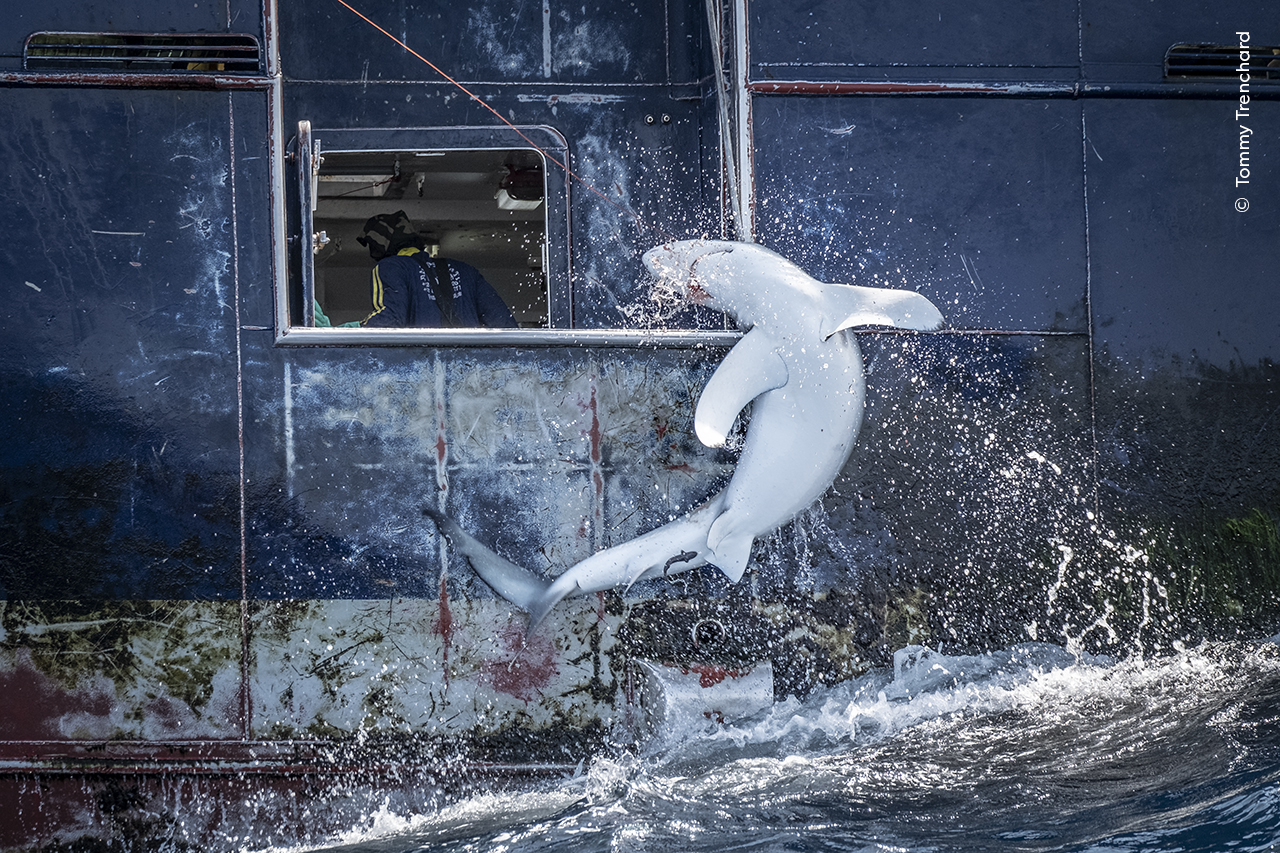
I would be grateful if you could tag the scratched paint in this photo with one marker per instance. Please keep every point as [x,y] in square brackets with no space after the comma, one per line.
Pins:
[506,50]
[1058,459]
[550,459]
[577,454]
[601,302]
[580,47]
[342,668]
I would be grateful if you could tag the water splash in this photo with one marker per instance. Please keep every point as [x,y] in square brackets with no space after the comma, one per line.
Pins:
[1028,748]
[662,300]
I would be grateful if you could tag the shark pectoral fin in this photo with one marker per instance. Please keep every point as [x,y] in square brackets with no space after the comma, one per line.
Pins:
[847,305]
[751,368]
[520,586]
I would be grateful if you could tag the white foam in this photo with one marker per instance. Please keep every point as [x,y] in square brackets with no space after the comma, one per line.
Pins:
[936,722]
[1044,682]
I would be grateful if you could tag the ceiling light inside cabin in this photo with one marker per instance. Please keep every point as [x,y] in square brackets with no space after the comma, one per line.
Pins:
[521,189]
[507,201]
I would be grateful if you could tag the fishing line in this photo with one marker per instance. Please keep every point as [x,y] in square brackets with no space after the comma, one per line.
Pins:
[666,234]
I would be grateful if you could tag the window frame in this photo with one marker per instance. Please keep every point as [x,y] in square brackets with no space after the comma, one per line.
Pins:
[295,318]
[290,222]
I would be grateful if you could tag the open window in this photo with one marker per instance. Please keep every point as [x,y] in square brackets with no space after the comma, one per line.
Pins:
[483,196]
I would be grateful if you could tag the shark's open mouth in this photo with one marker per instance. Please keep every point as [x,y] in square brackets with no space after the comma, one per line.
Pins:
[693,265]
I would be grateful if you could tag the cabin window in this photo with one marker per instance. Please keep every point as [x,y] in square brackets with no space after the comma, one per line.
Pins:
[147,53]
[481,196]
[1244,62]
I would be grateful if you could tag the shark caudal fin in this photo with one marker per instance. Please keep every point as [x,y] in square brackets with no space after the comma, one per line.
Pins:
[675,547]
[520,586]
[559,589]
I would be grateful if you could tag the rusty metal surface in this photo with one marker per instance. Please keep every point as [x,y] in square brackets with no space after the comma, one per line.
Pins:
[839,87]
[414,670]
[137,670]
[109,80]
[227,810]
[19,759]
[1072,89]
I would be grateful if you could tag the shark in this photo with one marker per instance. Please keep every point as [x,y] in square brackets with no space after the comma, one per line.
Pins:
[798,367]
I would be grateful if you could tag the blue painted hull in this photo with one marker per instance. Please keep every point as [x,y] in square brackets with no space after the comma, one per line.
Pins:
[212,553]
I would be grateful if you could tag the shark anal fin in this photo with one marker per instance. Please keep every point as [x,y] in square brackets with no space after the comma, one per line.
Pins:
[751,368]
[730,556]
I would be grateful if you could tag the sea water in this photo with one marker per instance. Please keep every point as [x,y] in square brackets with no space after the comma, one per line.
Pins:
[1029,748]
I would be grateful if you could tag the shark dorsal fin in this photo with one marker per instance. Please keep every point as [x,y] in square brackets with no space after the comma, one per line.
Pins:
[847,305]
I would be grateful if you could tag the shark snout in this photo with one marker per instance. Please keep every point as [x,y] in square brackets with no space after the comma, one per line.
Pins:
[679,257]
[676,264]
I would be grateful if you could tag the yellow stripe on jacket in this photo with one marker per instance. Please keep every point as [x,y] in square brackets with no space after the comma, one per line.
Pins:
[378,303]
[377,297]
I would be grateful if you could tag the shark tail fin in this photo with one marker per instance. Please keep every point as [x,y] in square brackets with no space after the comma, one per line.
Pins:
[554,593]
[520,586]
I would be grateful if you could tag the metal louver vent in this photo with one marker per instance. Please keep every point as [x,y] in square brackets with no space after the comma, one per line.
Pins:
[1222,61]
[142,52]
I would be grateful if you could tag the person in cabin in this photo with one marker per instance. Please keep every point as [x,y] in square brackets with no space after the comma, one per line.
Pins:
[408,285]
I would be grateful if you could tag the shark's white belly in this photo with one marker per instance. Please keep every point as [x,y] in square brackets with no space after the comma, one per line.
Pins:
[800,437]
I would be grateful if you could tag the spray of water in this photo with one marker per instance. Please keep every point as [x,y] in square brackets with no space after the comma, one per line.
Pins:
[663,300]
[1031,746]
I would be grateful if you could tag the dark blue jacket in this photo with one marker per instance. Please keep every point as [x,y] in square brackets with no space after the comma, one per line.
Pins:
[403,296]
